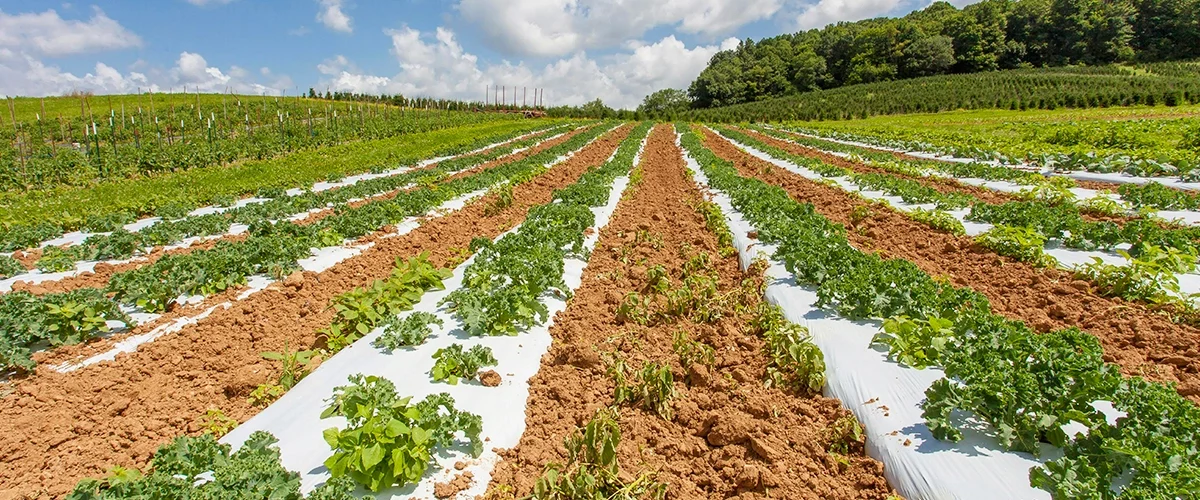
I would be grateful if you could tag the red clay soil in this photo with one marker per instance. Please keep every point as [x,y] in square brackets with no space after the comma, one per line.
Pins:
[58,428]
[1141,341]
[729,435]
[103,272]
[941,184]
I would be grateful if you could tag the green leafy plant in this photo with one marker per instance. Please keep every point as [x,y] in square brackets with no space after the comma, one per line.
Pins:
[593,470]
[1103,205]
[796,363]
[691,351]
[502,198]
[294,364]
[859,214]
[1021,243]
[916,343]
[654,388]
[73,322]
[938,219]
[843,435]
[216,423]
[388,442]
[361,310]
[56,260]
[9,267]
[453,363]
[410,331]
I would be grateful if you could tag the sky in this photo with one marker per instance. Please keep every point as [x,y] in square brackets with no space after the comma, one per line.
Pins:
[576,50]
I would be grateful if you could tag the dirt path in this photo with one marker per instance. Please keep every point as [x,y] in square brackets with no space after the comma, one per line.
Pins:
[1140,341]
[58,428]
[730,435]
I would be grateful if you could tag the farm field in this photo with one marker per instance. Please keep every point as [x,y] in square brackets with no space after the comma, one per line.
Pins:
[688,309]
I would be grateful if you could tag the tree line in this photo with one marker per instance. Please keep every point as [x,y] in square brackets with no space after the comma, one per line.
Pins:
[941,39]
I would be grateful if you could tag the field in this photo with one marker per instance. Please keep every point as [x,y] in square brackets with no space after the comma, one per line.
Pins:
[970,304]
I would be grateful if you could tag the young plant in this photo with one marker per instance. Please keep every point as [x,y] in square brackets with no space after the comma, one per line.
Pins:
[216,423]
[407,332]
[691,352]
[796,362]
[72,323]
[938,219]
[916,343]
[654,387]
[592,470]
[502,199]
[294,364]
[844,435]
[1021,243]
[9,267]
[56,260]
[453,363]
[388,442]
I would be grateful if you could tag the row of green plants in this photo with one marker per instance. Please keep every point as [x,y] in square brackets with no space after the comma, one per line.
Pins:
[387,441]
[138,143]
[1157,255]
[1126,146]
[1024,385]
[1049,207]
[502,288]
[37,216]
[275,248]
[122,244]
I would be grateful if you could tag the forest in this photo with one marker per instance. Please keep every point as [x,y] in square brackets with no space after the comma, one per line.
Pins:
[941,39]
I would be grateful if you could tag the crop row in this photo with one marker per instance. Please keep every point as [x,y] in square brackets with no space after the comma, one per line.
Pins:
[1026,386]
[123,244]
[1124,146]
[386,441]
[273,249]
[1048,210]
[1155,257]
[29,218]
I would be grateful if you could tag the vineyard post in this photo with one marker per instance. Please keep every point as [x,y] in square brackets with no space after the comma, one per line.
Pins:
[310,130]
[12,114]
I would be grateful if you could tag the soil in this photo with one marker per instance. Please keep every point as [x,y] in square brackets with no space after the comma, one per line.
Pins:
[1141,341]
[103,272]
[941,184]
[490,378]
[730,434]
[58,428]
[451,488]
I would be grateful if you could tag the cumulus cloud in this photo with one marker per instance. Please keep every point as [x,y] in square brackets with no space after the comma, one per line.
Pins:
[560,27]
[827,12]
[435,64]
[333,17]
[48,34]
[21,74]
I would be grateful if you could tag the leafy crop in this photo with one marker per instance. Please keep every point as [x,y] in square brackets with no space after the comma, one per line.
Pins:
[1021,243]
[1023,384]
[201,468]
[795,362]
[9,267]
[361,310]
[56,318]
[692,351]
[653,387]
[388,442]
[593,470]
[916,343]
[407,332]
[453,363]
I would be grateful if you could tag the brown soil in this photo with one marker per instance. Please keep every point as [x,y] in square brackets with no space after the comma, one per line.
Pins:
[1141,341]
[490,378]
[103,272]
[451,488]
[730,435]
[941,184]
[58,428]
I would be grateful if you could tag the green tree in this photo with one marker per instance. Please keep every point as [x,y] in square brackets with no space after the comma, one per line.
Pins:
[664,103]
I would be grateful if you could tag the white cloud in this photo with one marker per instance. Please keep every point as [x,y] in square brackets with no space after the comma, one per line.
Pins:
[48,34]
[22,74]
[827,12]
[205,3]
[560,27]
[332,16]
[437,65]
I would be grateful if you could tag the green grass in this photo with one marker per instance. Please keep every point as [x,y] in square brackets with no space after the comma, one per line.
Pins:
[28,108]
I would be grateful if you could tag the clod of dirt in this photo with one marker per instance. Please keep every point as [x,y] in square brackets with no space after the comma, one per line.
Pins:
[454,486]
[489,378]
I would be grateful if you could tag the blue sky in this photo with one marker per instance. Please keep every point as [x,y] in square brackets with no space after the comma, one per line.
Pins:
[578,50]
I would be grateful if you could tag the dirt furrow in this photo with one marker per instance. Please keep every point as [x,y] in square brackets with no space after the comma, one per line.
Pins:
[57,428]
[730,434]
[1141,341]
